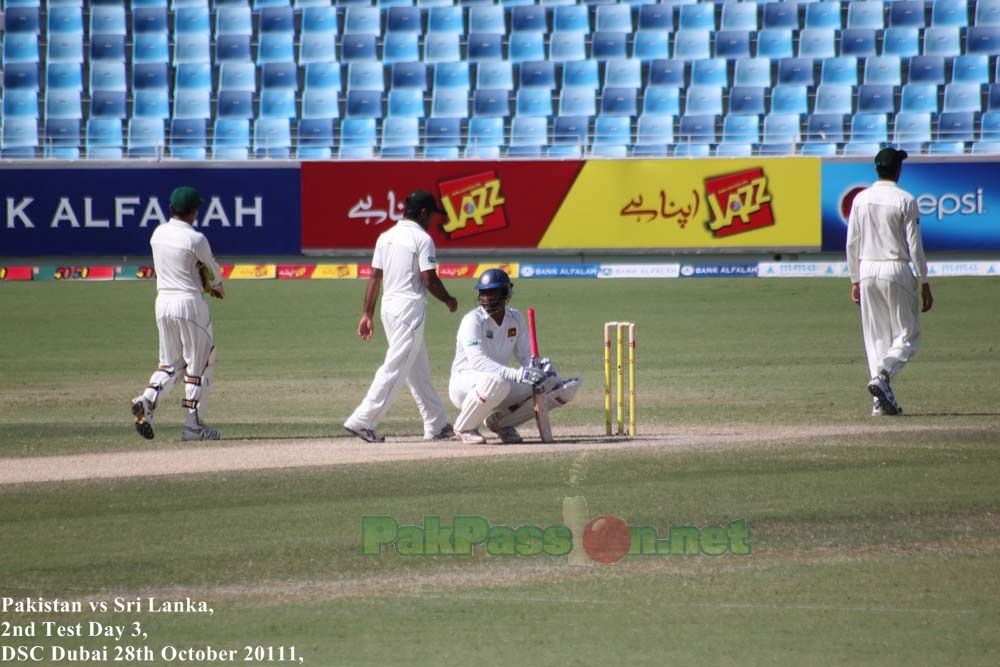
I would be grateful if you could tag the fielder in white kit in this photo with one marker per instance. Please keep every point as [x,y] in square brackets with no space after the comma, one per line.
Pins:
[185,326]
[404,263]
[883,239]
[482,386]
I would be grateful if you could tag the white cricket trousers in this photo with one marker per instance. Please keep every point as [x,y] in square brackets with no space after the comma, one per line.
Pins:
[406,361]
[890,315]
[461,384]
[187,350]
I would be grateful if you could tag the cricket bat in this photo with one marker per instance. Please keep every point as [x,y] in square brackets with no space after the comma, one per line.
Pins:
[541,401]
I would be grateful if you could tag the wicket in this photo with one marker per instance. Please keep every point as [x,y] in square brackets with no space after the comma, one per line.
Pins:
[620,385]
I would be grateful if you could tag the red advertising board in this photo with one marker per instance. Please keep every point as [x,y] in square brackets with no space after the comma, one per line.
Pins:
[346,205]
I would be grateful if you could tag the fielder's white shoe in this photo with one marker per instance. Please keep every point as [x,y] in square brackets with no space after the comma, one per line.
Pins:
[509,435]
[472,437]
[880,388]
[142,410]
[877,409]
[447,432]
[199,432]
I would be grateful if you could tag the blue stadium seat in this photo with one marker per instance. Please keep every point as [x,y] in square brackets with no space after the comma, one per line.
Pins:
[825,127]
[926,69]
[580,73]
[623,72]
[651,44]
[486,136]
[233,20]
[528,135]
[970,68]
[534,74]
[739,16]
[272,138]
[570,18]
[870,127]
[107,20]
[64,19]
[963,97]
[614,18]
[866,14]
[234,104]
[528,18]
[780,15]
[839,70]
[912,127]
[617,101]
[822,15]
[400,137]
[192,48]
[612,131]
[279,103]
[526,46]
[659,17]
[21,76]
[408,75]
[279,20]
[323,76]
[607,45]
[315,138]
[193,104]
[875,98]
[406,102]
[883,70]
[983,39]
[400,47]
[445,19]
[733,149]
[946,148]
[486,102]
[21,20]
[107,104]
[533,102]
[320,103]
[564,46]
[942,41]
[990,126]
[697,129]
[653,134]
[443,138]
[150,76]
[816,42]
[741,128]
[950,13]
[366,75]
[320,19]
[956,126]
[920,97]
[986,147]
[900,41]
[712,72]
[364,104]
[58,104]
[993,97]
[701,100]
[231,139]
[24,103]
[441,47]
[833,99]
[861,148]
[237,76]
[153,103]
[987,13]
[23,48]
[485,46]
[108,76]
[18,137]
[317,47]
[747,100]
[102,47]
[354,46]
[857,42]
[188,138]
[661,101]
[781,129]
[146,138]
[906,14]
[60,75]
[796,71]
[752,72]
[192,21]
[104,139]
[152,47]
[774,43]
[402,19]
[575,101]
[486,18]
[700,16]
[569,135]
[193,76]
[452,75]
[786,99]
[732,43]
[692,44]
[693,150]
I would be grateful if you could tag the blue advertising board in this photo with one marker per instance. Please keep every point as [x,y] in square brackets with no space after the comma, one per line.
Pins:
[111,211]
[958,202]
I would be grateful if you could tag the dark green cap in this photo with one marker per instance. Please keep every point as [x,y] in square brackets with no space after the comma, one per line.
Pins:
[890,158]
[185,198]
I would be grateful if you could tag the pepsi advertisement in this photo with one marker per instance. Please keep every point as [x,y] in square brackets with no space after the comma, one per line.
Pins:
[113,212]
[958,202]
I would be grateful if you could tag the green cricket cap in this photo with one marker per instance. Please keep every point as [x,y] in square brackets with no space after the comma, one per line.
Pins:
[185,198]
[890,158]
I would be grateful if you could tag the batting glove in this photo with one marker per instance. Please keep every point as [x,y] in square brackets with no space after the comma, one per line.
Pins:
[529,375]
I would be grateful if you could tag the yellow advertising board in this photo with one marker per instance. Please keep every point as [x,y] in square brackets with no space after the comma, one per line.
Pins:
[335,271]
[691,204]
[253,271]
[511,268]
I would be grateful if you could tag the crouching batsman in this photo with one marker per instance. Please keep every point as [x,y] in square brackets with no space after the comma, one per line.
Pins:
[483,387]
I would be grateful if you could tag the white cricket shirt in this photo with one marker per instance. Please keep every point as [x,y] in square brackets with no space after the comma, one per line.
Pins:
[484,346]
[177,249]
[402,253]
[884,226]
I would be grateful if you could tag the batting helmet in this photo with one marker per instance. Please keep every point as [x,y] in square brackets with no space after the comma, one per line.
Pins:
[495,290]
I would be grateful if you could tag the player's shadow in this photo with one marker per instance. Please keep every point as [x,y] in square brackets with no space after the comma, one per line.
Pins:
[951,414]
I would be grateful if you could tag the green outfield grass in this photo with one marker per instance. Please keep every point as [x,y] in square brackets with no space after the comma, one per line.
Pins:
[874,548]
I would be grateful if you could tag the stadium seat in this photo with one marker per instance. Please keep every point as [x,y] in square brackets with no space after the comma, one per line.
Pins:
[983,39]
[445,20]
[528,134]
[193,104]
[192,48]
[733,149]
[152,47]
[108,76]
[659,17]
[443,138]
[796,72]
[107,104]
[150,76]
[781,129]
[486,136]
[612,136]
[193,76]
[353,47]
[732,44]
[857,42]
[405,102]
[912,127]
[651,44]
[869,127]
[580,73]
[623,72]
[408,75]
[452,75]
[317,47]
[320,103]
[956,126]
[861,148]
[233,20]
[833,99]
[534,74]
[661,101]
[102,47]
[58,104]
[441,47]
[883,70]
[752,72]
[234,104]
[315,138]
[485,46]
[866,14]
[107,20]
[906,14]
[702,100]
[608,45]
[492,103]
[692,150]
[570,18]
[825,127]
[970,68]
[146,138]
[942,41]
[64,19]
[747,100]
[739,16]
[822,15]
[23,48]
[577,101]
[364,104]
[986,147]
[697,129]
[692,44]
[816,42]
[272,138]
[366,75]
[987,13]
[780,15]
[741,128]
[104,139]
[774,43]
[18,137]
[231,139]
[653,134]
[569,135]
[790,99]
[946,148]
[153,103]
[993,97]
[990,126]
[21,76]
[402,19]
[526,46]
[700,16]
[926,69]
[322,76]
[534,102]
[840,70]
[24,103]
[565,46]
[21,20]
[320,19]
[875,98]
[59,75]
[400,47]
[528,18]
[188,138]
[919,97]
[486,18]
[902,42]
[614,18]
[963,97]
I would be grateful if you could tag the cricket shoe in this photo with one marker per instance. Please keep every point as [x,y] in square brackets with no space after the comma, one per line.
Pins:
[877,409]
[198,432]
[142,410]
[509,435]
[880,388]
[366,434]
[447,432]
[473,437]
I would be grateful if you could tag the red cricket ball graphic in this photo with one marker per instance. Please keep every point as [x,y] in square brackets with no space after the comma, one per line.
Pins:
[606,539]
